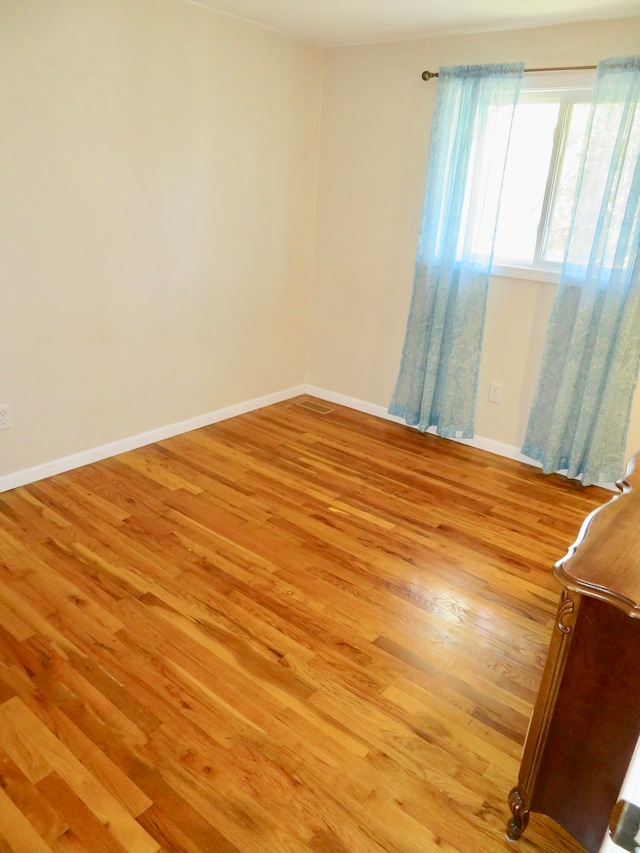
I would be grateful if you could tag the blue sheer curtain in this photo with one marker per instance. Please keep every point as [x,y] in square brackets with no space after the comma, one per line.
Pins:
[580,414]
[438,377]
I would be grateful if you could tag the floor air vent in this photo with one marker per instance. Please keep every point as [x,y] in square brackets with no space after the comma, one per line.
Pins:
[314,407]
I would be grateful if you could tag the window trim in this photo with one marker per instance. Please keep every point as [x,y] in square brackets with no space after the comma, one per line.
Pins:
[526,273]
[568,88]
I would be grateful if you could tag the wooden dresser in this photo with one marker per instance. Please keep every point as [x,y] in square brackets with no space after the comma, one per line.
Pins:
[586,719]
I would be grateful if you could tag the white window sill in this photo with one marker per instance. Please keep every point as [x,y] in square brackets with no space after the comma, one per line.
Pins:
[528,273]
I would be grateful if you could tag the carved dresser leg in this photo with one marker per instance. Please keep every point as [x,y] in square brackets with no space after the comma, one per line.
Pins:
[517,824]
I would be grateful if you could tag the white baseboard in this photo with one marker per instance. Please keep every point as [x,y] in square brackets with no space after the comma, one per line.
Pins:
[499,448]
[488,444]
[104,451]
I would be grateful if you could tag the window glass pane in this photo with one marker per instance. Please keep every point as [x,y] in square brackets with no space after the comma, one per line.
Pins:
[486,160]
[560,217]
[525,181]
[620,170]
[602,171]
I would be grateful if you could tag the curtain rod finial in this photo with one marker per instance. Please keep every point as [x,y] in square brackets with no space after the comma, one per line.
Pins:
[427,75]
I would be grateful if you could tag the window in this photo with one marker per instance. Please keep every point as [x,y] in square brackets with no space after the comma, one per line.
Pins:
[543,161]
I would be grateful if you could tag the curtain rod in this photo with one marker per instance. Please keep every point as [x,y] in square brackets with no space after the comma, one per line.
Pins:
[428,75]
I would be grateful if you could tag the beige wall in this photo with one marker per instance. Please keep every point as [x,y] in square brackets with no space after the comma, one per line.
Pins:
[158,175]
[375,132]
[158,170]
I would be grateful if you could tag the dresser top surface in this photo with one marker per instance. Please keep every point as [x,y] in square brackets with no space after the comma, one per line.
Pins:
[604,561]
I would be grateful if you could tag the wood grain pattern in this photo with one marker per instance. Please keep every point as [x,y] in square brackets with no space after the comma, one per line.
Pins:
[604,708]
[605,559]
[290,632]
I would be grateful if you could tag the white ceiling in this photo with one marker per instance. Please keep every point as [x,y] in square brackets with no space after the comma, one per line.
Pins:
[344,22]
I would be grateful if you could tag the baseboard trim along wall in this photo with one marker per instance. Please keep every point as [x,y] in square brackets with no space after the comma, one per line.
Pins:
[488,444]
[95,454]
[510,451]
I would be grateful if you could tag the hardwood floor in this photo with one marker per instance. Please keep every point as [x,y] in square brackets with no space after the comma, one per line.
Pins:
[290,631]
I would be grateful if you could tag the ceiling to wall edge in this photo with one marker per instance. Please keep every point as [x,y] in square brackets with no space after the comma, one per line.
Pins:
[429,32]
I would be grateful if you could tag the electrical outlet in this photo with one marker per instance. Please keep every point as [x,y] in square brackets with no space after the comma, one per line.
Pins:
[495,392]
[5,416]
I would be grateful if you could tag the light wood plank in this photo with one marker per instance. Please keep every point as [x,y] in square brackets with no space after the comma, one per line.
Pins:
[290,632]
[43,749]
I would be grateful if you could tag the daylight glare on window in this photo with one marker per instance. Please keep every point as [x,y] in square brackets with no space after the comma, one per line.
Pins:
[525,181]
[546,164]
[553,130]
[545,149]
[562,203]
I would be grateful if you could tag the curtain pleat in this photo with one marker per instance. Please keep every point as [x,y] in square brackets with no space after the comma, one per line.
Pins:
[437,383]
[580,415]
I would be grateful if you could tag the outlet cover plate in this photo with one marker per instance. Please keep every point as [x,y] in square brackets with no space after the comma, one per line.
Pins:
[5,416]
[495,392]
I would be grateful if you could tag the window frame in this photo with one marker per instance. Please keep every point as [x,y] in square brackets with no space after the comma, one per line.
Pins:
[567,88]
